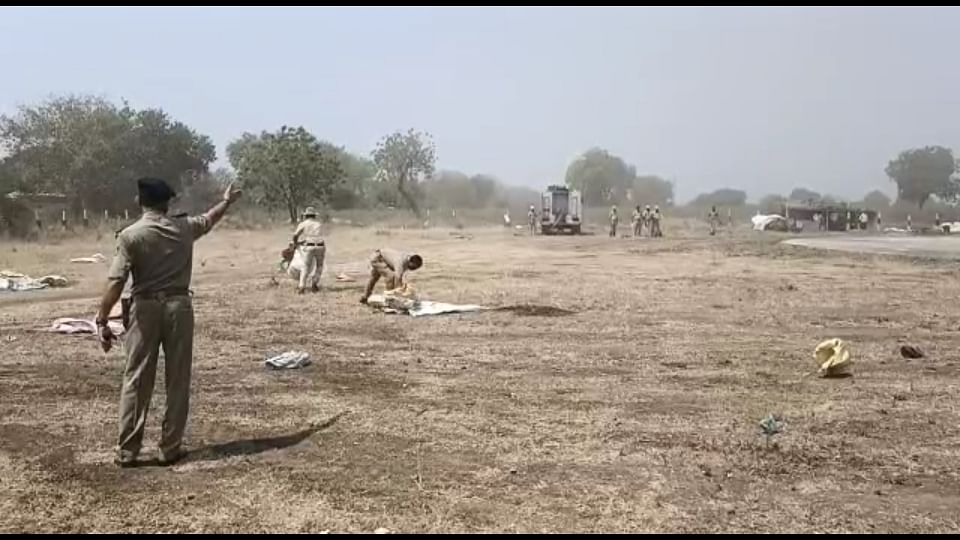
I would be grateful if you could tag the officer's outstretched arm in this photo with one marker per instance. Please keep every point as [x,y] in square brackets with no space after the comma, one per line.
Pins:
[215,214]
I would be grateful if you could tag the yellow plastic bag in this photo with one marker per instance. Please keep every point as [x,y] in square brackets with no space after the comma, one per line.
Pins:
[833,358]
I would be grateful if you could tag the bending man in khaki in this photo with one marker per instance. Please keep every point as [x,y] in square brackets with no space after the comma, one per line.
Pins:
[309,241]
[391,265]
[157,251]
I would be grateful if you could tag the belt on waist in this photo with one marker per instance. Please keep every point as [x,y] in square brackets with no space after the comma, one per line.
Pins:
[163,295]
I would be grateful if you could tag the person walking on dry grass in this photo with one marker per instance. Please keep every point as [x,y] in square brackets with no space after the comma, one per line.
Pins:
[157,251]
[614,220]
[392,266]
[309,241]
[714,219]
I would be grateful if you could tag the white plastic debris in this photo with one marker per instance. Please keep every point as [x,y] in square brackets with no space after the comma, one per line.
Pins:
[95,258]
[289,360]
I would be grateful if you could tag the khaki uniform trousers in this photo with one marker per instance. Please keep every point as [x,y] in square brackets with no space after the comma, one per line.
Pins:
[380,269]
[313,256]
[156,321]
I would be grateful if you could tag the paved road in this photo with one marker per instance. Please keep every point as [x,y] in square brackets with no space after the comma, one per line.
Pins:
[940,247]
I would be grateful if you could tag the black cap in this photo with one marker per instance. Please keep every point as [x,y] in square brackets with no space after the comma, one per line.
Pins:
[154,190]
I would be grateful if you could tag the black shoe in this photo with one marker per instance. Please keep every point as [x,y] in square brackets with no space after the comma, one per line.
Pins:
[315,288]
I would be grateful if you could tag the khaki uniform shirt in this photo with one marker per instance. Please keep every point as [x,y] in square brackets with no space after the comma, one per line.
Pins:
[396,260]
[309,231]
[157,251]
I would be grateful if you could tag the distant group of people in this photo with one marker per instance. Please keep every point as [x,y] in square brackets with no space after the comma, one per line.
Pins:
[853,222]
[640,221]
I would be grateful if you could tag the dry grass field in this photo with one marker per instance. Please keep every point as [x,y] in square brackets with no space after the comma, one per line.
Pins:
[622,392]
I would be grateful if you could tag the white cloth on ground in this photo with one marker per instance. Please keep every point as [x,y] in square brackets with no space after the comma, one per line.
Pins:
[289,360]
[69,325]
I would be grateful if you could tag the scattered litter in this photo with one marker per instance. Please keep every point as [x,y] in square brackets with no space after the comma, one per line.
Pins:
[343,278]
[71,326]
[95,258]
[289,360]
[833,358]
[16,282]
[54,281]
[909,351]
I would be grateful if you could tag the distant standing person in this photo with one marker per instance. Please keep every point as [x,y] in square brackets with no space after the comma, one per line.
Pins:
[909,223]
[309,240]
[614,220]
[714,218]
[157,251]
[637,222]
[864,221]
[532,219]
[655,218]
[936,219]
[879,222]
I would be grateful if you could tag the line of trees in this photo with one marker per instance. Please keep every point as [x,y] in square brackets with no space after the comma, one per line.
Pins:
[604,178]
[921,175]
[91,150]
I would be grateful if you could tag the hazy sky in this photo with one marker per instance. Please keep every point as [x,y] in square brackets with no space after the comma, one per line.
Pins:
[761,99]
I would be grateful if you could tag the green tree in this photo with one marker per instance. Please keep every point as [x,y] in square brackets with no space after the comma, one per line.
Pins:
[600,176]
[772,203]
[721,197]
[876,200]
[404,160]
[358,187]
[484,189]
[91,150]
[924,172]
[804,195]
[652,190]
[286,169]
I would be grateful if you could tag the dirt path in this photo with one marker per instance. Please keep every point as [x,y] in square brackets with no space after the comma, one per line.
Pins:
[937,247]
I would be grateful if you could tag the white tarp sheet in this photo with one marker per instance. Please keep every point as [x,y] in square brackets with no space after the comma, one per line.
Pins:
[418,308]
[762,222]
